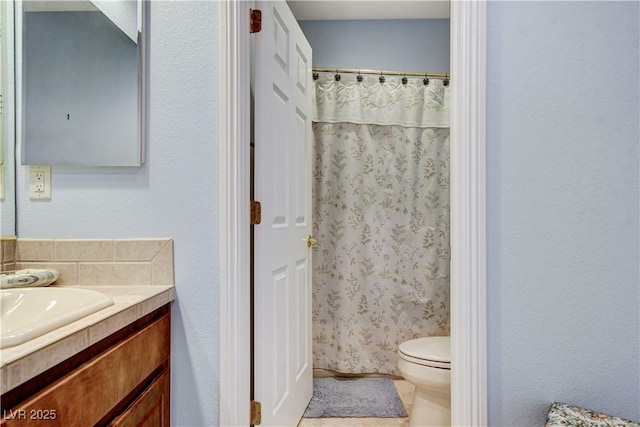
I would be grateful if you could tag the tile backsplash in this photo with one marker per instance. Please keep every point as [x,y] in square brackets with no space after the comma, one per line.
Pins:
[100,261]
[7,253]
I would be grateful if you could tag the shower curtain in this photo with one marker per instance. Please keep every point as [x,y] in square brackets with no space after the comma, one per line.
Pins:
[381,216]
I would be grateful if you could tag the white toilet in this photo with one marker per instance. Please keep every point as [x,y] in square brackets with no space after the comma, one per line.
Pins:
[426,363]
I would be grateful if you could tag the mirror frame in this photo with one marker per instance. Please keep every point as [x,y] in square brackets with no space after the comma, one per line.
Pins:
[468,214]
[142,93]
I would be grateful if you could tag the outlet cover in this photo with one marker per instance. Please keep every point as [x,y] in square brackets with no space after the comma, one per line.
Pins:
[40,182]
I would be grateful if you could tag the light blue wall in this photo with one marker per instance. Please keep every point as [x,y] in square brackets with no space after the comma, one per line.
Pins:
[562,190]
[563,208]
[175,194]
[405,45]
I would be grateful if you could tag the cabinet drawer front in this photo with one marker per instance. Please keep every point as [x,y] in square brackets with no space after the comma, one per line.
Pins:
[151,409]
[89,392]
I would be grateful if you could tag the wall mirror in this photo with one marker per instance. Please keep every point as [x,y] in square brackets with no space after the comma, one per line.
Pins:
[83,88]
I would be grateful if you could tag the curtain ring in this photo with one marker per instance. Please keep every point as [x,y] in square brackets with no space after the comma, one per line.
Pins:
[337,76]
[425,80]
[381,79]
[359,77]
[316,76]
[404,79]
[446,81]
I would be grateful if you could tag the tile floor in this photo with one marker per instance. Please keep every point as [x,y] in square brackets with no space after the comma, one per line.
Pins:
[405,390]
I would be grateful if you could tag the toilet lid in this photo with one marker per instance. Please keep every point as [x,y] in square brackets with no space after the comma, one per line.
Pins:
[430,351]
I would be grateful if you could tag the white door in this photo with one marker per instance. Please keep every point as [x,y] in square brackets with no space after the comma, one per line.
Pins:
[282,261]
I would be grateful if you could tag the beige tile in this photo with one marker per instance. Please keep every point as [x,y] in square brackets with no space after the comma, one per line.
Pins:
[121,273]
[9,266]
[36,363]
[162,266]
[83,250]
[67,271]
[104,328]
[8,250]
[137,249]
[5,379]
[34,250]
[152,304]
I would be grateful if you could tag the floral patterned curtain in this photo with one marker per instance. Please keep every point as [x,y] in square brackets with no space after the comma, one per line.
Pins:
[381,216]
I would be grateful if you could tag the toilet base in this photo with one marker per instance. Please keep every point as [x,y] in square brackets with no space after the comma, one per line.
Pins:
[430,409]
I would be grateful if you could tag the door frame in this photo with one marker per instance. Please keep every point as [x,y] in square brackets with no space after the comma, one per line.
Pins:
[468,213]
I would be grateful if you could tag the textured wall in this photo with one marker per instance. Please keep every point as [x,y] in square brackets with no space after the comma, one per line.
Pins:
[563,235]
[175,194]
[562,204]
[409,45]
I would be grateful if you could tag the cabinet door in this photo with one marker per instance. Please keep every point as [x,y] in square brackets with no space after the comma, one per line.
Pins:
[150,409]
[87,394]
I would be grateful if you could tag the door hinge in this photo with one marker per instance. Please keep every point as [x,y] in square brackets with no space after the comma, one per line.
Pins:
[256,413]
[256,20]
[256,212]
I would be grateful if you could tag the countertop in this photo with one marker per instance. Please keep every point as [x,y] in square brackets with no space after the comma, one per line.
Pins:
[20,363]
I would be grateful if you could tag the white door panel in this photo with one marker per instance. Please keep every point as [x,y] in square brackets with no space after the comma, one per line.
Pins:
[282,261]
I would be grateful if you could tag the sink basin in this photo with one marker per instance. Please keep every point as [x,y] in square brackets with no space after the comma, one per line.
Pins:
[27,313]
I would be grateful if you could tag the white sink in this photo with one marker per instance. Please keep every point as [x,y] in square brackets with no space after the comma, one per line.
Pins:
[27,313]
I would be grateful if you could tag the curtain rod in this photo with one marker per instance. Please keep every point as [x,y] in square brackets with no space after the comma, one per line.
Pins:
[379,72]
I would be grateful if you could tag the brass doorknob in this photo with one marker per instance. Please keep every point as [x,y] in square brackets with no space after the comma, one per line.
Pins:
[311,241]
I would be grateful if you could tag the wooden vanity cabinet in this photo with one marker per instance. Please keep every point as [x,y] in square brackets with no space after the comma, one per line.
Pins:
[150,409]
[121,381]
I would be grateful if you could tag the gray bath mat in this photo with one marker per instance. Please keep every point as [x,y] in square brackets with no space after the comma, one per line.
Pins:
[354,398]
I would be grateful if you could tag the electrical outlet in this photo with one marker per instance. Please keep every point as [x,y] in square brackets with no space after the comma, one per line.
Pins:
[40,182]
